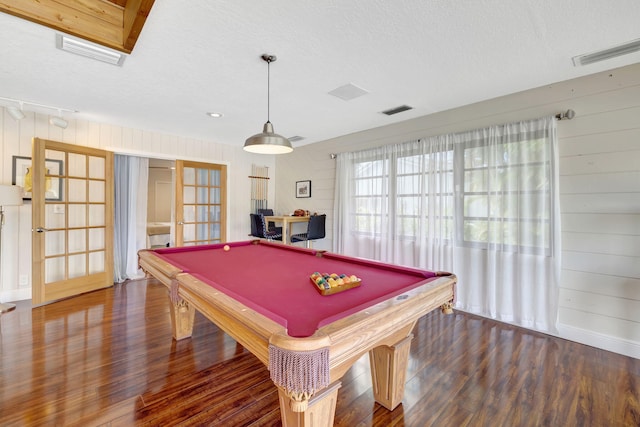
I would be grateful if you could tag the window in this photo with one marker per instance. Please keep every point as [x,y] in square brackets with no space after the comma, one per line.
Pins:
[370,194]
[482,204]
[424,194]
[505,195]
[503,190]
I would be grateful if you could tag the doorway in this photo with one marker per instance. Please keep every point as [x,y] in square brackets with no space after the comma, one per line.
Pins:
[160,203]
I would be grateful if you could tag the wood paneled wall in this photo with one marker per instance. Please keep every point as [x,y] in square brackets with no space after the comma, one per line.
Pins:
[599,185]
[15,140]
[600,202]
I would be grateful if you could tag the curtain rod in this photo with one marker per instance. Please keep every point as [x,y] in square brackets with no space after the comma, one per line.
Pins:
[567,115]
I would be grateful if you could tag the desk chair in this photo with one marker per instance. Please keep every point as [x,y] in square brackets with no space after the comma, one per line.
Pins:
[315,230]
[259,228]
[254,227]
[272,225]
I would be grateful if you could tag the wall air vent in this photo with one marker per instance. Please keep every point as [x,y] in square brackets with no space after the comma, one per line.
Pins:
[605,54]
[89,50]
[396,110]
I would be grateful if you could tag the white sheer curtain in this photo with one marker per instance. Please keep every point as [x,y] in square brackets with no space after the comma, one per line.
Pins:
[130,225]
[395,203]
[482,204]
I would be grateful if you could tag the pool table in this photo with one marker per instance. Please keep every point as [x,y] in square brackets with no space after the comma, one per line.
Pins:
[260,293]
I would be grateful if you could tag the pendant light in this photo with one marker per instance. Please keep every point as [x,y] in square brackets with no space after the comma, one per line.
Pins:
[268,142]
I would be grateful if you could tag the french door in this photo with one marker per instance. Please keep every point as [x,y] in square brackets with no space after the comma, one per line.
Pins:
[201,201]
[72,217]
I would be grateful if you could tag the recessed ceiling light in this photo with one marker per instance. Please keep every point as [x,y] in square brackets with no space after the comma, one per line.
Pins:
[215,115]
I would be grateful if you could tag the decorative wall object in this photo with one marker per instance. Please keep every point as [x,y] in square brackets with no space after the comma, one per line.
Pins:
[21,176]
[303,189]
[259,187]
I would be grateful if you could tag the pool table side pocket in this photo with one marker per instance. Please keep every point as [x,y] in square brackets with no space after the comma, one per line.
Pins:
[386,318]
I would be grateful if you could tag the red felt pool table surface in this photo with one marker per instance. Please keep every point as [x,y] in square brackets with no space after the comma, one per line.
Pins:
[273,279]
[260,294]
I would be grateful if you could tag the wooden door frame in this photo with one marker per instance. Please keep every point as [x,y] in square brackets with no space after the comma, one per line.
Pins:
[179,197]
[81,284]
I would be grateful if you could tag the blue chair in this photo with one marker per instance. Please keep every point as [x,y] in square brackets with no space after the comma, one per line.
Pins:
[272,225]
[315,230]
[259,228]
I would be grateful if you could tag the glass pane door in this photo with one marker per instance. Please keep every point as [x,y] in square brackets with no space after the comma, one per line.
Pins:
[73,211]
[201,203]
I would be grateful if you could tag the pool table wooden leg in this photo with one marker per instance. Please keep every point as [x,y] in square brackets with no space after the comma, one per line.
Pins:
[320,411]
[182,318]
[389,372]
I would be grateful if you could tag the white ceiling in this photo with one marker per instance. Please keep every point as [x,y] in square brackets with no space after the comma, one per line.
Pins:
[199,56]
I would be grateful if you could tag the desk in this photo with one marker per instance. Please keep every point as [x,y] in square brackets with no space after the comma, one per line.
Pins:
[260,294]
[286,221]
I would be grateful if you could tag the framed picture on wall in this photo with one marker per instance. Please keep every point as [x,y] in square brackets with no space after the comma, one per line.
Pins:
[21,175]
[303,189]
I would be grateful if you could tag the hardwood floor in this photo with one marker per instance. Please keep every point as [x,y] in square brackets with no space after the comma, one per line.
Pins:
[107,359]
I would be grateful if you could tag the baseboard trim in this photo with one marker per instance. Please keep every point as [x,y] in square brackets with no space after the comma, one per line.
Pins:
[15,295]
[594,339]
[605,342]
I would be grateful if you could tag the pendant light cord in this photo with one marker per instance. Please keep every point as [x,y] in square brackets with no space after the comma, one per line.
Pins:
[268,59]
[268,88]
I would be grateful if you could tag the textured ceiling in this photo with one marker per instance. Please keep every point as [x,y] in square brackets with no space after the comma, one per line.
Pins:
[199,56]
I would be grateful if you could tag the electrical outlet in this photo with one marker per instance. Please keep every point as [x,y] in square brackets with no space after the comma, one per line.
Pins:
[24,280]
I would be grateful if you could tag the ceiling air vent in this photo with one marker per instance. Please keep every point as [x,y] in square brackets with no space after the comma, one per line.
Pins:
[396,110]
[89,50]
[605,54]
[296,138]
[348,92]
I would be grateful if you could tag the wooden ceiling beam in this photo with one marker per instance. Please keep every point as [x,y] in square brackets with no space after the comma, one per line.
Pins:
[134,18]
[104,22]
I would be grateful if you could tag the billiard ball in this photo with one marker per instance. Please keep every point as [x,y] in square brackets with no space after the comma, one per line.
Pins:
[226,247]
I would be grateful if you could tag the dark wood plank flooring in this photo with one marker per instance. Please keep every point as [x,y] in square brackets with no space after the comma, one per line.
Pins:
[107,359]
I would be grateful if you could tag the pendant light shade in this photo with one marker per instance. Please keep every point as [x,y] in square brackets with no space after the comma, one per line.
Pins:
[268,142]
